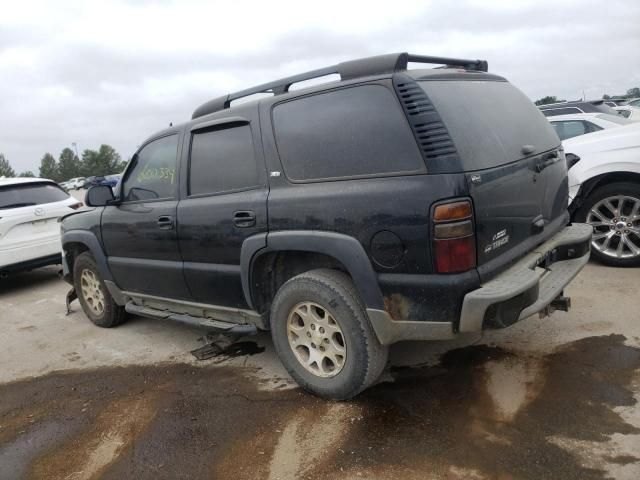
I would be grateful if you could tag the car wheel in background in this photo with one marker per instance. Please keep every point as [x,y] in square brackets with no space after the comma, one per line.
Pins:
[323,337]
[94,297]
[614,212]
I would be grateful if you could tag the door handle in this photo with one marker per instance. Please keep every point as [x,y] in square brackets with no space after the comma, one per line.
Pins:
[244,218]
[165,222]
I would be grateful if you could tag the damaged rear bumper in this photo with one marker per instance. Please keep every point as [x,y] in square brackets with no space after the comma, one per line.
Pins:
[534,284]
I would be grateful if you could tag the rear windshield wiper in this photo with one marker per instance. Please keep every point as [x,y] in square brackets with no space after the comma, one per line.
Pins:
[17,205]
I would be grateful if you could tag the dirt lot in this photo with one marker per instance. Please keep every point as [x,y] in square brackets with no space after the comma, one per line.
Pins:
[550,398]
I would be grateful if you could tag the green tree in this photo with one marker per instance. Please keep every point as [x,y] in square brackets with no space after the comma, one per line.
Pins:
[104,161]
[547,100]
[606,97]
[68,165]
[49,168]
[27,173]
[5,167]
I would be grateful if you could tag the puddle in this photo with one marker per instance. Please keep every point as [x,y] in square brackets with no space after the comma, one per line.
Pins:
[482,412]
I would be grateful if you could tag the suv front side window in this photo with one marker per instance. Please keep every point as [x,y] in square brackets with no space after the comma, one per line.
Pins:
[153,176]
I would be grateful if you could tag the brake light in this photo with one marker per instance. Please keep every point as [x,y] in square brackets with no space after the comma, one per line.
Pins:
[454,242]
[76,206]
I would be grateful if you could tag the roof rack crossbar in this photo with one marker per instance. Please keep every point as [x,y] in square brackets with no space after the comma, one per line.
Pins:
[378,65]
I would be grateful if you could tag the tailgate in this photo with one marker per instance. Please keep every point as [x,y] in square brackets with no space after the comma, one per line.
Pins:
[518,205]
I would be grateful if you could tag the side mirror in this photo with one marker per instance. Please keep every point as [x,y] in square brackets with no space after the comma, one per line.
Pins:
[99,196]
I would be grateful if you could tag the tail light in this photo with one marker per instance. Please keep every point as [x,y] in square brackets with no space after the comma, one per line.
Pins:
[454,241]
[76,206]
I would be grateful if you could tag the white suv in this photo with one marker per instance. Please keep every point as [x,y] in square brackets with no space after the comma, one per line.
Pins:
[29,229]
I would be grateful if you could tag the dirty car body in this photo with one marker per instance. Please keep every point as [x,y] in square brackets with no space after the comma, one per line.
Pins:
[440,193]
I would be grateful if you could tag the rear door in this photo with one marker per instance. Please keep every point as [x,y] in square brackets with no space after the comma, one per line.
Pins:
[515,170]
[140,234]
[225,202]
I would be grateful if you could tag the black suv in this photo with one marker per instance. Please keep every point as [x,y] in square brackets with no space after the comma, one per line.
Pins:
[390,205]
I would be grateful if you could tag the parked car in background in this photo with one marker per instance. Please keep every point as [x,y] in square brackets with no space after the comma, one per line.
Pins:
[75,183]
[604,191]
[29,228]
[343,217]
[629,112]
[575,124]
[92,181]
[634,102]
[111,180]
[580,106]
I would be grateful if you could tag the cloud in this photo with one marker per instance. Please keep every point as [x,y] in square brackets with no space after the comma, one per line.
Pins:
[113,72]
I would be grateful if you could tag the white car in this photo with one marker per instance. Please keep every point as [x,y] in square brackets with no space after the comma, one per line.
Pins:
[575,124]
[29,229]
[604,190]
[75,183]
[629,112]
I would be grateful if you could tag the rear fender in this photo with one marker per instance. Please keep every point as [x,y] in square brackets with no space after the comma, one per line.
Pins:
[347,250]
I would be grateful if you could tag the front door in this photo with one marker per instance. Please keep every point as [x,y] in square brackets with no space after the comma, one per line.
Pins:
[226,202]
[139,233]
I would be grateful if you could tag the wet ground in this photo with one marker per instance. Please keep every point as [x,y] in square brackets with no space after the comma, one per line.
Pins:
[546,399]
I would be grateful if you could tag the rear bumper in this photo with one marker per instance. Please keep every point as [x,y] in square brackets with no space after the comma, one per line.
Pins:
[530,285]
[526,288]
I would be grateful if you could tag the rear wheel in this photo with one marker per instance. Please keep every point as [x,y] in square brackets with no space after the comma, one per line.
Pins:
[323,337]
[95,299]
[614,212]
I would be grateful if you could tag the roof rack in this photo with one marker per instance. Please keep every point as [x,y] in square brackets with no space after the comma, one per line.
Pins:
[381,64]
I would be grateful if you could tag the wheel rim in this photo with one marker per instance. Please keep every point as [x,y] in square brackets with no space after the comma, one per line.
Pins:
[91,291]
[316,339]
[616,226]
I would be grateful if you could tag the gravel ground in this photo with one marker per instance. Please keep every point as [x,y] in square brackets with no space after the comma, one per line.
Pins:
[545,398]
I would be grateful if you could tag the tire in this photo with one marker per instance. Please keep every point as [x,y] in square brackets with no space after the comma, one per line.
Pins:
[610,223]
[87,275]
[332,292]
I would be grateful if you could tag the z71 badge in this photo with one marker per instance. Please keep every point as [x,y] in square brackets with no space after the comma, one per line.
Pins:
[499,239]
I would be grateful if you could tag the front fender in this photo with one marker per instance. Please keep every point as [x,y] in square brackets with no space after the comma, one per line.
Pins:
[89,240]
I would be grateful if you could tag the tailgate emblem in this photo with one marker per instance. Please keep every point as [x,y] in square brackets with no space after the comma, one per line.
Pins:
[476,178]
[39,211]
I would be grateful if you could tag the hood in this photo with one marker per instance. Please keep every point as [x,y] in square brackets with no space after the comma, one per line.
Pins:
[627,136]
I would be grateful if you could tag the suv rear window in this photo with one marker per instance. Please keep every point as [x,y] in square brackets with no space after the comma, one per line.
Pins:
[489,121]
[351,132]
[25,195]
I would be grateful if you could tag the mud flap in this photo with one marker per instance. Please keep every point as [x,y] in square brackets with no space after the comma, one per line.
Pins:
[71,296]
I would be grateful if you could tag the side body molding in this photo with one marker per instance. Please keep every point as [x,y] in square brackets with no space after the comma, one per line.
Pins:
[347,250]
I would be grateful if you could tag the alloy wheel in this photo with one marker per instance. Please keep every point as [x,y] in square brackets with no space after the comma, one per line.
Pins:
[91,291]
[616,226]
[316,339]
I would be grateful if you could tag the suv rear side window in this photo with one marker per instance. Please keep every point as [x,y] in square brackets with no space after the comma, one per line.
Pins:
[490,121]
[154,174]
[25,195]
[351,132]
[222,160]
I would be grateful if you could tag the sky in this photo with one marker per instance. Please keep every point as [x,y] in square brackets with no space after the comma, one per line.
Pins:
[114,72]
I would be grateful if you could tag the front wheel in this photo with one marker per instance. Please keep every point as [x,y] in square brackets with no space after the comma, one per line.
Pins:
[94,297]
[614,212]
[322,335]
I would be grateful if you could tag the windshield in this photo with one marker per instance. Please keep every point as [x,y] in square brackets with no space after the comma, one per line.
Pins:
[489,121]
[619,119]
[24,195]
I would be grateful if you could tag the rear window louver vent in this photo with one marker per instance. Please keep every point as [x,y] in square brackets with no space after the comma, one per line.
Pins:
[436,145]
